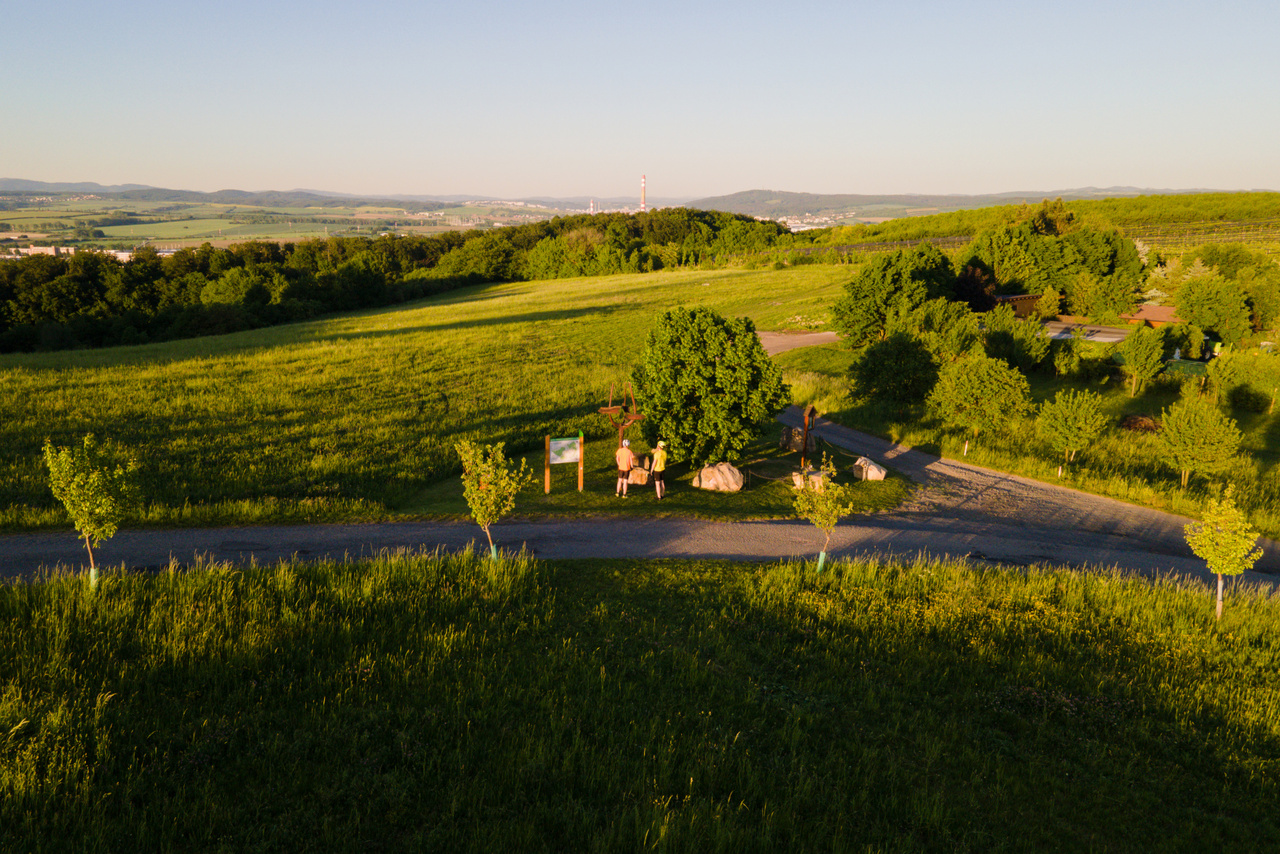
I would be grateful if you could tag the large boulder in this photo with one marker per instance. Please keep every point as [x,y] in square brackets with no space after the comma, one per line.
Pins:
[720,477]
[868,470]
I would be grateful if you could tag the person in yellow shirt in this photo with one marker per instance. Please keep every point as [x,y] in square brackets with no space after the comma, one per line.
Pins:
[626,462]
[658,467]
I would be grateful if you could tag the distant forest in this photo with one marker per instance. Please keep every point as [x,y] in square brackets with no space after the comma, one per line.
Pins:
[90,299]
[1072,254]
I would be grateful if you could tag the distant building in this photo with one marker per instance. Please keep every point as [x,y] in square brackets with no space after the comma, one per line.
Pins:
[1024,305]
[1154,316]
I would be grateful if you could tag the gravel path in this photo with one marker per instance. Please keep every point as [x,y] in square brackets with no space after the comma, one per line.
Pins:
[959,511]
[780,342]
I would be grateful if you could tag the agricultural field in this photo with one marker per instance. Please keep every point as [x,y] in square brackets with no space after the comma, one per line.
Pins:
[172,224]
[435,703]
[355,417]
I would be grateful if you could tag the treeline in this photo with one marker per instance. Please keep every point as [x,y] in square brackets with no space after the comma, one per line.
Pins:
[92,300]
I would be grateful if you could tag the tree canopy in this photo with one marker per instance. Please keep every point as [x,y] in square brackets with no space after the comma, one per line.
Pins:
[1197,437]
[980,393]
[706,385]
[891,286]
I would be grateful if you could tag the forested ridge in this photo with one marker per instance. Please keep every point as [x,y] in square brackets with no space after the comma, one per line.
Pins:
[91,299]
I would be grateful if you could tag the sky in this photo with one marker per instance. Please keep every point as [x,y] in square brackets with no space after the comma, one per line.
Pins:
[502,99]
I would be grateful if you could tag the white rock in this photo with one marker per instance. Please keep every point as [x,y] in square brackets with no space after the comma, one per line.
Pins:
[868,470]
[720,477]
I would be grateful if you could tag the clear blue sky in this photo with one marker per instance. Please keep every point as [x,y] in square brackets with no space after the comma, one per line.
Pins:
[514,99]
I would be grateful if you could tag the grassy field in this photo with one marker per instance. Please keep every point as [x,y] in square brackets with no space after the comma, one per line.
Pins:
[355,417]
[1122,464]
[454,704]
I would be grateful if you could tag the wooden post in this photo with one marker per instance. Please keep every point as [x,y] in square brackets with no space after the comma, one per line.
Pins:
[810,411]
[581,453]
[547,467]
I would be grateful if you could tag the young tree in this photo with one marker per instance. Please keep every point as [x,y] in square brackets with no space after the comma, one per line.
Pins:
[824,506]
[980,393]
[706,386]
[1196,436]
[97,485]
[1224,540]
[1071,422]
[1143,354]
[490,484]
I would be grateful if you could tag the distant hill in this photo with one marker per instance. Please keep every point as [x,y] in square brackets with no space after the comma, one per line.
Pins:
[270,198]
[19,185]
[774,204]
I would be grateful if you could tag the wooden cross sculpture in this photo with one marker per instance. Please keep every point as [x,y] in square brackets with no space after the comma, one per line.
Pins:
[621,416]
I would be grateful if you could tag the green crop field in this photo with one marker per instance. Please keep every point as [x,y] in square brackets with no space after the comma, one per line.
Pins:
[453,704]
[355,417]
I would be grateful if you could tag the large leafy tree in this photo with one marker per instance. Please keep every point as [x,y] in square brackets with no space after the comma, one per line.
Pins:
[898,371]
[1021,344]
[1224,540]
[1216,305]
[1196,436]
[980,393]
[706,385]
[888,288]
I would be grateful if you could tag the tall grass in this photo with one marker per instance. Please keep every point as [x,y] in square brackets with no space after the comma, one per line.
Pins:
[425,702]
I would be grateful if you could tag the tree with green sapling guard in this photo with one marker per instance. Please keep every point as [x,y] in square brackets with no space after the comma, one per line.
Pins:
[1196,436]
[1224,540]
[97,485]
[1071,422]
[490,484]
[823,501]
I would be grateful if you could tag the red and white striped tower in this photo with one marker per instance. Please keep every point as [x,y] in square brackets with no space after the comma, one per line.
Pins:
[641,194]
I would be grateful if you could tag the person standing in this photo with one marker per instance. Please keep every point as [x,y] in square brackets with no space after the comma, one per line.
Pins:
[626,462]
[657,468]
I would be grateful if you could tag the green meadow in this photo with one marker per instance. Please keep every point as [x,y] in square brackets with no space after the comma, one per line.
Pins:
[355,417]
[433,703]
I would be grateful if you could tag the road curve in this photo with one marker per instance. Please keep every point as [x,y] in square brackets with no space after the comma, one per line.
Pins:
[959,511]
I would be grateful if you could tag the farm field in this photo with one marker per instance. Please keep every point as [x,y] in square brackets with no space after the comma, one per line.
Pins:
[187,223]
[458,704]
[354,418]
